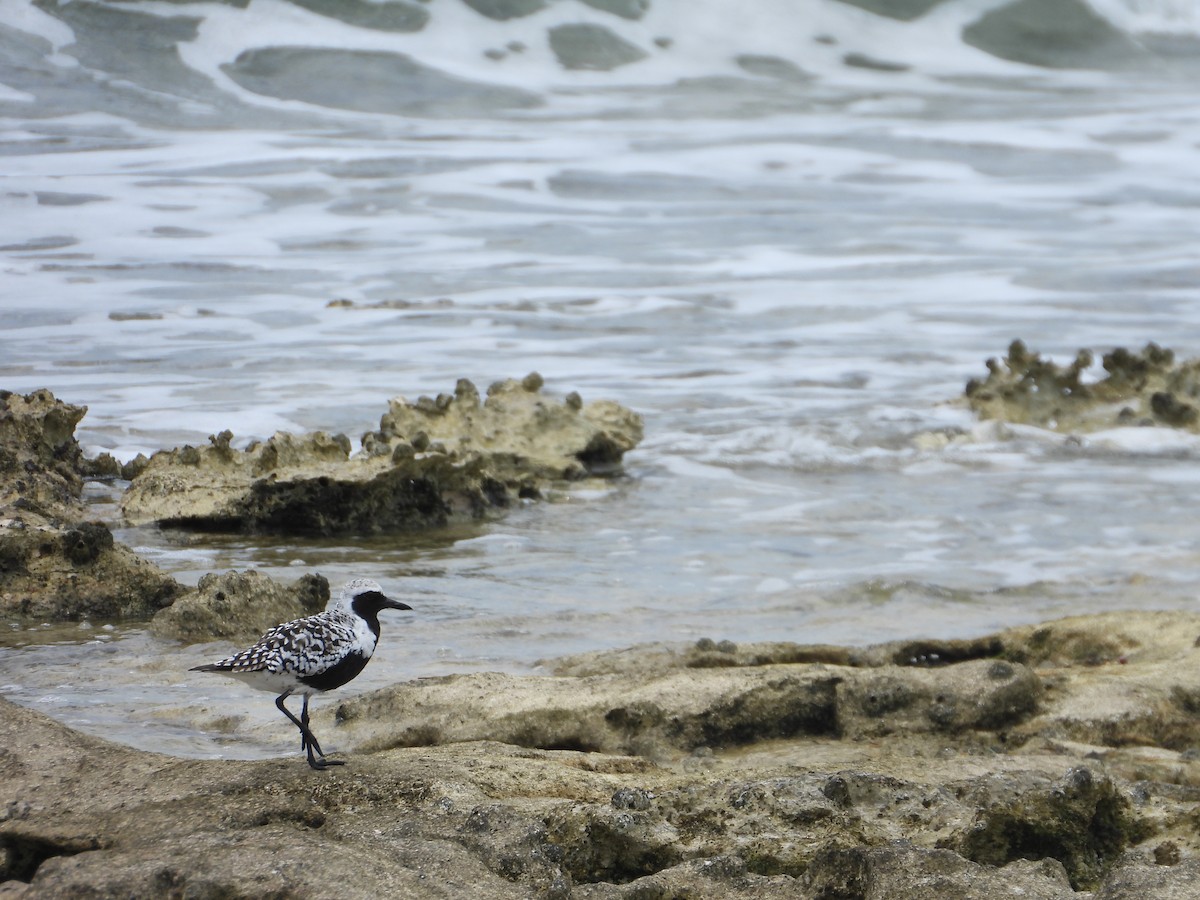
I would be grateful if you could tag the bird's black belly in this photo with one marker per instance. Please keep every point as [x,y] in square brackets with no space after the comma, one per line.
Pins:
[337,675]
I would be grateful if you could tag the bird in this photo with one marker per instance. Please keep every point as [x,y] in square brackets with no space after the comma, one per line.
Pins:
[312,655]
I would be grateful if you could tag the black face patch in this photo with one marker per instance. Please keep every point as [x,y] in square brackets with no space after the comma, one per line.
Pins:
[367,605]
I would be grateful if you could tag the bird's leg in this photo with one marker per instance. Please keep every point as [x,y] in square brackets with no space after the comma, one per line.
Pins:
[308,742]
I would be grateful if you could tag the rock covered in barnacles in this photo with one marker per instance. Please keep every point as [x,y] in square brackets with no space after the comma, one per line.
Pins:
[431,462]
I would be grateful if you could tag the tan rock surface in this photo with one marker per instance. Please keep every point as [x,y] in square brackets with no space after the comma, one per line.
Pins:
[239,607]
[54,564]
[432,462]
[761,778]
[1142,388]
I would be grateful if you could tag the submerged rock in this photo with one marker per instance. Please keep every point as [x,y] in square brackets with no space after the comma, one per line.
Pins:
[54,564]
[1144,388]
[430,463]
[239,606]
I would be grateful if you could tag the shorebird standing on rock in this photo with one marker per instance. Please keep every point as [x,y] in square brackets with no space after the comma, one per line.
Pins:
[314,654]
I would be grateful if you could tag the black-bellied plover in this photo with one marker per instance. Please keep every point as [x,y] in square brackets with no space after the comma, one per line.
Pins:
[314,654]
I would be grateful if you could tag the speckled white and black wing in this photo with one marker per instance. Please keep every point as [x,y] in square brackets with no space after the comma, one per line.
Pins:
[303,648]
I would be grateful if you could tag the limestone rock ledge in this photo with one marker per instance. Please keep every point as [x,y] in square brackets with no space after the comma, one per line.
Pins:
[54,564]
[430,463]
[1019,765]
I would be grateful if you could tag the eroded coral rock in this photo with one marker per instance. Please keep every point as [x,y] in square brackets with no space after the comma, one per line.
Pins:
[431,462]
[54,564]
[57,573]
[613,714]
[239,606]
[815,782]
[40,459]
[1139,388]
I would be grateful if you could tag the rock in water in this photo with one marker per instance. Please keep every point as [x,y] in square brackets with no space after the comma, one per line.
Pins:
[53,563]
[431,462]
[1143,388]
[239,606]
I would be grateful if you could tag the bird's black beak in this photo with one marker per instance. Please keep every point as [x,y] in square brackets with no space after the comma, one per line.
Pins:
[394,604]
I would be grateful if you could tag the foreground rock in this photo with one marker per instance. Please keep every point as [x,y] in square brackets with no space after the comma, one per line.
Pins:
[54,564]
[430,463]
[1139,389]
[1017,765]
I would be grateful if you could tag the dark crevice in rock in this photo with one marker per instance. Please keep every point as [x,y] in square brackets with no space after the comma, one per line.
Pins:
[23,853]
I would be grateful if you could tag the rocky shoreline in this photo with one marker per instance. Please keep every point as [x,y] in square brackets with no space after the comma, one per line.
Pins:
[1055,761]
[1052,761]
[431,462]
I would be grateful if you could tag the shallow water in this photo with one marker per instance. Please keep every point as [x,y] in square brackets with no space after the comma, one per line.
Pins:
[789,272]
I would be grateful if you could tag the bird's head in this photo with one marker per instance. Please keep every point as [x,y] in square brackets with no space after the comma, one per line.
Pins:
[366,598]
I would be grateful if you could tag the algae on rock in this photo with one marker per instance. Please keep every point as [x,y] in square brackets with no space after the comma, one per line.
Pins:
[430,463]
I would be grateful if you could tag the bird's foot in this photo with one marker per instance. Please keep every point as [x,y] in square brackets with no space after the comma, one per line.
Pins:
[321,764]
[308,743]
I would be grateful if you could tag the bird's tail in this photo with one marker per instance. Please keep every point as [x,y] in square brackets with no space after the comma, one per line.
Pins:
[210,667]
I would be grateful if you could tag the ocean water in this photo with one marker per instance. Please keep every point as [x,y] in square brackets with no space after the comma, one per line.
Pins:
[786,232]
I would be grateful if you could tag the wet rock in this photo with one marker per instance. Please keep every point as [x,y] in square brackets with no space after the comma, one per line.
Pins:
[1113,680]
[54,564]
[432,462]
[1143,388]
[239,607]
[60,574]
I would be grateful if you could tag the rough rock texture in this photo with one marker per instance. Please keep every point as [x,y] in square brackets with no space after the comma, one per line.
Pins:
[879,797]
[239,606]
[54,564]
[430,462]
[686,710]
[40,459]
[1145,388]
[68,572]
